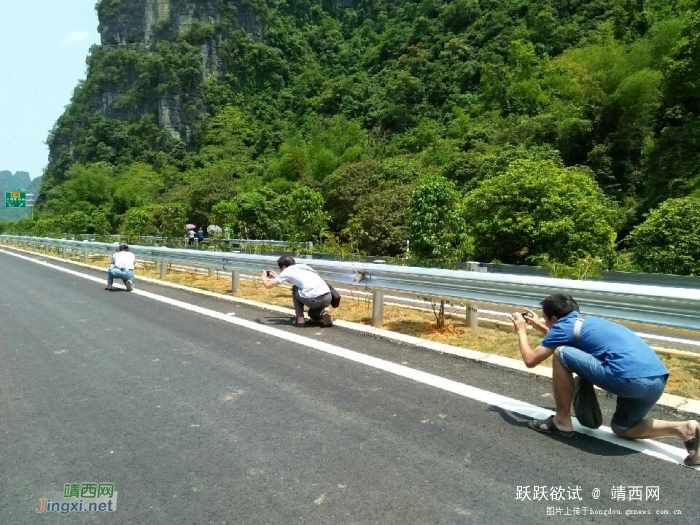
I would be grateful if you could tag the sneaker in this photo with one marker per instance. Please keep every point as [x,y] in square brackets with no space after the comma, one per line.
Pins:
[326,318]
[129,285]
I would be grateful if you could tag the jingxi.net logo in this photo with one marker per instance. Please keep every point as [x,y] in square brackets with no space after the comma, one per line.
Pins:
[81,497]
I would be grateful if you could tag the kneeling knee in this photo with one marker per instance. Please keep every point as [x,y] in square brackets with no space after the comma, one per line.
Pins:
[619,432]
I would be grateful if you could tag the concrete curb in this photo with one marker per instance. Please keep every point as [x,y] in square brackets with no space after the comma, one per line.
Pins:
[669,400]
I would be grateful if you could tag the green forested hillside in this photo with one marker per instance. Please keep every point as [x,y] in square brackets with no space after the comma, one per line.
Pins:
[513,130]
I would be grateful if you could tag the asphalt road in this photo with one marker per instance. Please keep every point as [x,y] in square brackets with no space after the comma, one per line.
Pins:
[198,420]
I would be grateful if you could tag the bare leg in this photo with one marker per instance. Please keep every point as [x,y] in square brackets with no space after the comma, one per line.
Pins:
[656,428]
[563,389]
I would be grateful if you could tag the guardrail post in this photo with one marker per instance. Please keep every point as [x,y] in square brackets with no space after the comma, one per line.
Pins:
[63,252]
[378,303]
[472,316]
[235,281]
[25,246]
[377,308]
[212,272]
[472,310]
[46,248]
[163,269]
[86,255]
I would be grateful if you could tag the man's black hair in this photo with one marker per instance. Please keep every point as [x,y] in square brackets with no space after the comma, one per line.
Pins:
[559,305]
[123,247]
[285,261]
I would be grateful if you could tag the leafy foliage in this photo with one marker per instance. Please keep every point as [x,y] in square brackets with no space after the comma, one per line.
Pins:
[668,241]
[232,114]
[437,222]
[535,208]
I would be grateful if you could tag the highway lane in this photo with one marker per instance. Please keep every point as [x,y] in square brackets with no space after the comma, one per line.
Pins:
[196,420]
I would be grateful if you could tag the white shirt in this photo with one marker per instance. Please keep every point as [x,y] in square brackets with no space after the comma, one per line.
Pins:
[124,260]
[302,276]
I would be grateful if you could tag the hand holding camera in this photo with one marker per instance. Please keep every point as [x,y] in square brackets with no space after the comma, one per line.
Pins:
[527,317]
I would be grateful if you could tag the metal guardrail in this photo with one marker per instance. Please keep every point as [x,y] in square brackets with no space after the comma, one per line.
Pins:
[207,240]
[660,305]
[610,276]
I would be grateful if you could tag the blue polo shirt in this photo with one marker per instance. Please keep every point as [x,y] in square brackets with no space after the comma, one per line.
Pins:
[616,346]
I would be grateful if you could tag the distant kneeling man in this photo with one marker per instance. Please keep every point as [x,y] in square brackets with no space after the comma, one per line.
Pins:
[122,267]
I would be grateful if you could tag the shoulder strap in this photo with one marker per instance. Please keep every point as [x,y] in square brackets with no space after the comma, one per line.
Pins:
[577,330]
[309,269]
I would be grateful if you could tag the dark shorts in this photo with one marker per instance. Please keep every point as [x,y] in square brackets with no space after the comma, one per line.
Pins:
[635,396]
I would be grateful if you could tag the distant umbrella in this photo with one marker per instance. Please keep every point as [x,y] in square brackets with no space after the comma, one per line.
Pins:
[190,227]
[213,229]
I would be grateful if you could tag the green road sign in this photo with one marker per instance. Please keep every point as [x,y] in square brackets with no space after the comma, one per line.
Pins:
[15,199]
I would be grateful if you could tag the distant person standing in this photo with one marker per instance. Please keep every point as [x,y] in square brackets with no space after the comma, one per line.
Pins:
[190,237]
[200,234]
[122,267]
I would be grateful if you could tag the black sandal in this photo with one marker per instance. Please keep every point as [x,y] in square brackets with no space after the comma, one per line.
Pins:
[551,427]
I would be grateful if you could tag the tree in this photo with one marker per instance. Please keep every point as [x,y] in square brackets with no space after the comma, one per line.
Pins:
[76,223]
[135,222]
[438,230]
[344,187]
[536,208]
[224,213]
[437,227]
[172,219]
[137,186]
[100,224]
[672,158]
[668,241]
[52,227]
[252,219]
[382,215]
[91,184]
[307,213]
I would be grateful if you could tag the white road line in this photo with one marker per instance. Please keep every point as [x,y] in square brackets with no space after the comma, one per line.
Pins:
[649,447]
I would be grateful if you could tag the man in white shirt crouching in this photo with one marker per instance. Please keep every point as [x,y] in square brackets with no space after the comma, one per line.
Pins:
[122,267]
[309,289]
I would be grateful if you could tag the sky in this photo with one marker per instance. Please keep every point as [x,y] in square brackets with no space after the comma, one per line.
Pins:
[43,47]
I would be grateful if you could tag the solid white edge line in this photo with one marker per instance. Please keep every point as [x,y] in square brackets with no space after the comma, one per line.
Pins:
[649,447]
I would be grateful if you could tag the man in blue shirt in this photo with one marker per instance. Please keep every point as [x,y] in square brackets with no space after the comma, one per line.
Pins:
[608,355]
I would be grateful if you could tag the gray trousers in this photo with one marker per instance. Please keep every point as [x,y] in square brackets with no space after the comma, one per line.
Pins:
[315,304]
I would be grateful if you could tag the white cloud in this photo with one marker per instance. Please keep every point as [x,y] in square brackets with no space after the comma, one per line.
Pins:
[76,36]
